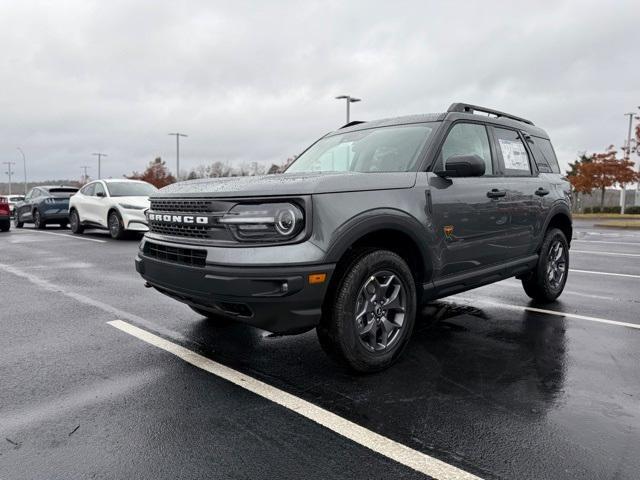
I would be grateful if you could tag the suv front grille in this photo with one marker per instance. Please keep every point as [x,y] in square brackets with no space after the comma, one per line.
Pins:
[189,231]
[182,205]
[186,256]
[210,207]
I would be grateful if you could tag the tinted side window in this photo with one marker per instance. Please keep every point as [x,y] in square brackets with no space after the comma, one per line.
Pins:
[468,139]
[512,152]
[547,152]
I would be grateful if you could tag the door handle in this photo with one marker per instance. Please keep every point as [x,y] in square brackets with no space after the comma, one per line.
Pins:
[495,193]
[541,192]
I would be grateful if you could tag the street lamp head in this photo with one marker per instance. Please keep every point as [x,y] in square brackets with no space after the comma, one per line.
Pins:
[354,100]
[342,97]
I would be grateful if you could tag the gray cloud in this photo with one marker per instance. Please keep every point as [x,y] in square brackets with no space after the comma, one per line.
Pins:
[255,80]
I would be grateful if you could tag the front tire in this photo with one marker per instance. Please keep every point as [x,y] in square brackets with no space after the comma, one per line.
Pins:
[38,222]
[369,322]
[116,226]
[546,282]
[17,221]
[74,222]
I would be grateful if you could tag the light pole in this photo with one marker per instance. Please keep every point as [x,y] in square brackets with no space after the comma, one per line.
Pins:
[349,100]
[178,135]
[637,198]
[24,164]
[85,177]
[623,192]
[99,155]
[9,172]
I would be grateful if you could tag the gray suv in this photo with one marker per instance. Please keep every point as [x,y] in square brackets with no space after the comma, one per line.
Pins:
[369,223]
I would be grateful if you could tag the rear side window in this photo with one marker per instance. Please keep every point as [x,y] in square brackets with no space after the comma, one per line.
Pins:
[468,139]
[513,154]
[545,150]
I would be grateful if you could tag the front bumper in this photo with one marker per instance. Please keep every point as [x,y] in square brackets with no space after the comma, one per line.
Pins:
[277,299]
[134,220]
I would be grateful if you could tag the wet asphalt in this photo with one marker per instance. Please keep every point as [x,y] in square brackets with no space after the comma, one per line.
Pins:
[485,386]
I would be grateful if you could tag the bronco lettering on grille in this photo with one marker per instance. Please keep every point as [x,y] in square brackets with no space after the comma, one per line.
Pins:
[178,219]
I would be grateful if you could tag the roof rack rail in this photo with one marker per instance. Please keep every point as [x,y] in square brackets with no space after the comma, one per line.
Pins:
[351,124]
[467,108]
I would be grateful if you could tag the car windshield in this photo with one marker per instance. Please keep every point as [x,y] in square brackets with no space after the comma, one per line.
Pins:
[130,189]
[383,149]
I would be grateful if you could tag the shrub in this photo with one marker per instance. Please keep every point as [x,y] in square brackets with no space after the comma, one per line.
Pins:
[611,210]
[635,210]
[587,209]
[595,210]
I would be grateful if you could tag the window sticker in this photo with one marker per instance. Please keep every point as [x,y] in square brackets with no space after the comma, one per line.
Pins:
[514,154]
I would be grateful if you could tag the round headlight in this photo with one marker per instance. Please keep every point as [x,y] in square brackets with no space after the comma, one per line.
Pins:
[285,221]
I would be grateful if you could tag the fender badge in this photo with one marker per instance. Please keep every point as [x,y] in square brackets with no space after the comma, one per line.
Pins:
[448,232]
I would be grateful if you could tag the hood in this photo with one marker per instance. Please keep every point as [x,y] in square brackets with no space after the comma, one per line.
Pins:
[137,201]
[289,184]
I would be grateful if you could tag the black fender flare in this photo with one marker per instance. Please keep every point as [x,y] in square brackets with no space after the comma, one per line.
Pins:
[559,208]
[381,219]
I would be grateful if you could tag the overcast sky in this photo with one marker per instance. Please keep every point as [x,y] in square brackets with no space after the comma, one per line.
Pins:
[255,81]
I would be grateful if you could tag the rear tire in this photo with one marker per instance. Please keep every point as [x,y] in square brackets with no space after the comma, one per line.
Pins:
[64,224]
[546,282]
[369,322]
[5,225]
[74,222]
[116,226]
[38,222]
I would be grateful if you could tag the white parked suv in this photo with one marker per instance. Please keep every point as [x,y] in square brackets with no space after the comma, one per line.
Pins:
[116,205]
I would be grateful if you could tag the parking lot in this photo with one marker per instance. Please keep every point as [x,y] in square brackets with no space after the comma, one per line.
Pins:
[104,378]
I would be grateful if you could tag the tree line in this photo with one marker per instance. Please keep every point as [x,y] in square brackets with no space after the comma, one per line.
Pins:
[159,175]
[599,171]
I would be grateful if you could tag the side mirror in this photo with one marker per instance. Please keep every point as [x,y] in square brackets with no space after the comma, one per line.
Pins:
[100,194]
[463,166]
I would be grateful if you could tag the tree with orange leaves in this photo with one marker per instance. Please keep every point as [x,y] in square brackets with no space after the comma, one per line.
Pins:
[156,174]
[600,171]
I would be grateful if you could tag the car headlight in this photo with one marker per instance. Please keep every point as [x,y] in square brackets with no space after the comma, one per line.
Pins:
[264,222]
[126,206]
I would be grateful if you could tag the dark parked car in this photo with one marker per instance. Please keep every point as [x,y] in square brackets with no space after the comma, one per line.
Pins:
[367,224]
[5,215]
[43,205]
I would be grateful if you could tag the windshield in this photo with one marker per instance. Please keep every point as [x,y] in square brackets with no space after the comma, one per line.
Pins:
[130,189]
[384,149]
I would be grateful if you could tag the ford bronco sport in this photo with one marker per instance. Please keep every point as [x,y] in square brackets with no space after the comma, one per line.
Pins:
[369,223]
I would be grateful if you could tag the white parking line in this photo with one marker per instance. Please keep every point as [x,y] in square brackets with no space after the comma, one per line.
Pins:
[547,312]
[606,253]
[518,285]
[637,244]
[75,237]
[384,446]
[592,272]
